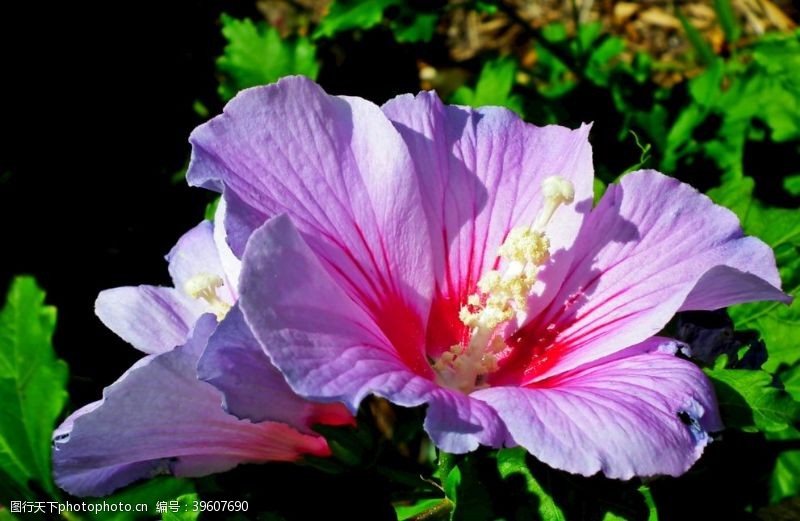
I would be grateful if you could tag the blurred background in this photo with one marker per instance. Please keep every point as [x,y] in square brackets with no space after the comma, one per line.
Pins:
[99,101]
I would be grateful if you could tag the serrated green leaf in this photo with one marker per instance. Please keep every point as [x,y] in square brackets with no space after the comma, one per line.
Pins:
[494,87]
[748,400]
[345,15]
[511,462]
[257,55]
[32,390]
[780,229]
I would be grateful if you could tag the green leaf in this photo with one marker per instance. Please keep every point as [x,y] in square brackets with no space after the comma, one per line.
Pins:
[185,511]
[494,87]
[704,52]
[211,209]
[345,15]
[32,389]
[149,492]
[791,381]
[780,229]
[785,480]
[599,189]
[464,488]
[749,401]
[5,515]
[792,184]
[420,28]
[257,55]
[511,462]
[727,19]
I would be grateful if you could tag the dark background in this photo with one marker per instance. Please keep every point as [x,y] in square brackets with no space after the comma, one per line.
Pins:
[96,114]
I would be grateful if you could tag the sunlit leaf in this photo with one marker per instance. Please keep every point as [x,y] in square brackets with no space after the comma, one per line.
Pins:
[493,87]
[749,401]
[257,55]
[32,390]
[780,229]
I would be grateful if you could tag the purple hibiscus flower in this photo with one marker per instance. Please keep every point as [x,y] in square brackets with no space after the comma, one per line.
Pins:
[447,256]
[158,417]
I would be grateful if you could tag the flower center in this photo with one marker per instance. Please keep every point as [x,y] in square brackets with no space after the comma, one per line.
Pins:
[501,296]
[204,286]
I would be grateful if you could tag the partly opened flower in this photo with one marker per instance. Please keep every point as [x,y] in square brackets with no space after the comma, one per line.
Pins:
[447,256]
[158,417]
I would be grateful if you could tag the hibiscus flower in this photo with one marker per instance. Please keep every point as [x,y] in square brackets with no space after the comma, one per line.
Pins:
[450,256]
[158,417]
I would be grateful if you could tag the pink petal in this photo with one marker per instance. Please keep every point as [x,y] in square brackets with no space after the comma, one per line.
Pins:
[643,415]
[340,170]
[481,172]
[252,387]
[152,319]
[328,348]
[159,418]
[652,247]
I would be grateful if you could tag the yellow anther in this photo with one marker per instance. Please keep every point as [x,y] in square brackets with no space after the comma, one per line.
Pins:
[525,245]
[204,286]
[501,296]
[490,281]
[467,317]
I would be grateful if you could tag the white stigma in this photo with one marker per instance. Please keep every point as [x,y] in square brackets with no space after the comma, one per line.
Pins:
[502,296]
[557,191]
[204,286]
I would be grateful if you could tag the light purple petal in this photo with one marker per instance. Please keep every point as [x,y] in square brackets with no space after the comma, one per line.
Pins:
[152,319]
[643,415]
[329,349]
[458,423]
[326,346]
[252,387]
[480,171]
[340,170]
[642,251]
[158,418]
[231,265]
[196,253]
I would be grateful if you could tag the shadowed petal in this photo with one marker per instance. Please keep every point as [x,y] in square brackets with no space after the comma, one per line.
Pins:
[341,171]
[458,423]
[252,387]
[643,415]
[158,418]
[481,171]
[652,247]
[326,346]
[195,253]
[152,319]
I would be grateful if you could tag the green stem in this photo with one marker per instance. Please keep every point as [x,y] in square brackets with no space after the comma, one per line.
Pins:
[440,510]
